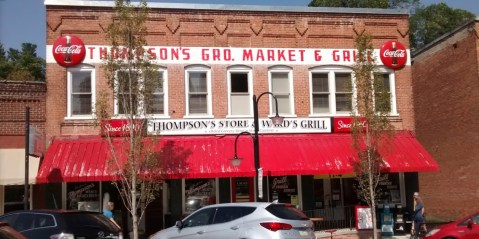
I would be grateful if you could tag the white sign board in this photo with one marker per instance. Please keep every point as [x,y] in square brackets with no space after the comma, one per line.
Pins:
[236,126]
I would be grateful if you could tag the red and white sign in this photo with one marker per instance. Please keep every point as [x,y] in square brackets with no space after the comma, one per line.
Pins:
[393,54]
[345,124]
[225,55]
[120,127]
[69,50]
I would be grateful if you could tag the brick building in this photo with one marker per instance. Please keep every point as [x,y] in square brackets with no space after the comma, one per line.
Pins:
[15,97]
[446,79]
[222,56]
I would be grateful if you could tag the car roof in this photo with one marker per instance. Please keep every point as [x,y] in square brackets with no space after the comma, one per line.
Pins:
[244,204]
[53,211]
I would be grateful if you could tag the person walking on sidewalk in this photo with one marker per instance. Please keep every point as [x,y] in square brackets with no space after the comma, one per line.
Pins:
[418,214]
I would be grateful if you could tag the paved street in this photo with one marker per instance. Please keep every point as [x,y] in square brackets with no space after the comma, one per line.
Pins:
[353,234]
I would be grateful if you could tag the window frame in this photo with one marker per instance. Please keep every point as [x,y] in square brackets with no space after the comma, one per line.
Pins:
[392,89]
[70,72]
[289,71]
[249,72]
[207,70]
[331,71]
[165,95]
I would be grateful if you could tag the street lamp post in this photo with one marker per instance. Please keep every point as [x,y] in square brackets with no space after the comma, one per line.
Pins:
[277,120]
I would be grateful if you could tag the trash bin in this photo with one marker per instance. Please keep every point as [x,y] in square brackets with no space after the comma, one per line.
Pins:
[387,222]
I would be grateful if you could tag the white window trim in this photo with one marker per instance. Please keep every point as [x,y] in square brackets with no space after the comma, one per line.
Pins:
[331,71]
[80,68]
[197,68]
[281,69]
[392,87]
[165,95]
[240,69]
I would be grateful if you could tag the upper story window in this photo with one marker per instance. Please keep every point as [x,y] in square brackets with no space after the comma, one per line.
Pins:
[281,85]
[130,85]
[81,92]
[126,90]
[239,90]
[385,93]
[331,91]
[198,91]
[158,104]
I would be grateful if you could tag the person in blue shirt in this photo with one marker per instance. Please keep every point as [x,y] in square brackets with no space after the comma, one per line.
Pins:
[108,211]
[418,213]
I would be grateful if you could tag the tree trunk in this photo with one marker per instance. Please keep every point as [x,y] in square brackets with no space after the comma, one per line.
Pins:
[134,216]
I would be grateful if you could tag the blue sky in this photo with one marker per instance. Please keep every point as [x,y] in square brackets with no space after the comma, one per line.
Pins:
[24,20]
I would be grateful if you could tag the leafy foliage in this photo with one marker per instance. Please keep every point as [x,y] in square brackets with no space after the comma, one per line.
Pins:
[429,23]
[372,103]
[22,65]
[133,79]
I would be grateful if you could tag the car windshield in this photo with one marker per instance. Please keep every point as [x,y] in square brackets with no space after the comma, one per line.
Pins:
[288,212]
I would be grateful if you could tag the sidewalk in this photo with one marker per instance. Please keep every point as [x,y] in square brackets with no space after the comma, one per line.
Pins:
[347,233]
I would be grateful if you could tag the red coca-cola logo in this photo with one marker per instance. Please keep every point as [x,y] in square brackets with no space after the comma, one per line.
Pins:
[68,50]
[393,54]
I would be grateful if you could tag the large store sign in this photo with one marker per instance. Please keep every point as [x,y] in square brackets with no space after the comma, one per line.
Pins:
[235,126]
[227,55]
[68,51]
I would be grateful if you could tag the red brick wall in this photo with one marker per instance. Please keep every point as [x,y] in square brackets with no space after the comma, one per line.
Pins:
[446,98]
[14,98]
[221,28]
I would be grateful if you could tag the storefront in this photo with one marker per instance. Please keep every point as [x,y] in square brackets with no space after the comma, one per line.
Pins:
[213,60]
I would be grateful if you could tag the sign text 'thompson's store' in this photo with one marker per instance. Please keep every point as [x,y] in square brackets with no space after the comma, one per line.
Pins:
[235,126]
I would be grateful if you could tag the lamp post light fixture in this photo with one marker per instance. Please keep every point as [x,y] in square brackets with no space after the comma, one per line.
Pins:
[277,120]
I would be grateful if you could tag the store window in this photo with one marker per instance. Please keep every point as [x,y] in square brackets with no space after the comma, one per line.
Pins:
[81,92]
[239,90]
[331,91]
[199,193]
[243,189]
[84,196]
[284,189]
[198,91]
[281,85]
[13,196]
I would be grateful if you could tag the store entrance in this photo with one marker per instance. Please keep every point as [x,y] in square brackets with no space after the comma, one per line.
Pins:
[335,199]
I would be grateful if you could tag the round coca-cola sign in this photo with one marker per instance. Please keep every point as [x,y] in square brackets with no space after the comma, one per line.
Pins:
[69,50]
[393,54]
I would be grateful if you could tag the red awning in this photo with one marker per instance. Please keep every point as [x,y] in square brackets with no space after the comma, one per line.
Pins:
[85,158]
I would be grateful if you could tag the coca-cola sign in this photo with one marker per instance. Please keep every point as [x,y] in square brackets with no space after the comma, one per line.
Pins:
[121,127]
[393,54]
[69,50]
[345,124]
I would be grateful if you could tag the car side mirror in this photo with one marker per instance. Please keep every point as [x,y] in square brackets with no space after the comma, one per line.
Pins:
[179,224]
[469,224]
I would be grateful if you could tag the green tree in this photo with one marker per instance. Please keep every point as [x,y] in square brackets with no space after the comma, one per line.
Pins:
[364,4]
[133,79]
[429,23]
[372,105]
[22,65]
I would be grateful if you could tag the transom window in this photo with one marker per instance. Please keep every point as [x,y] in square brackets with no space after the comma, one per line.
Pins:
[281,86]
[331,91]
[198,91]
[239,89]
[81,92]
